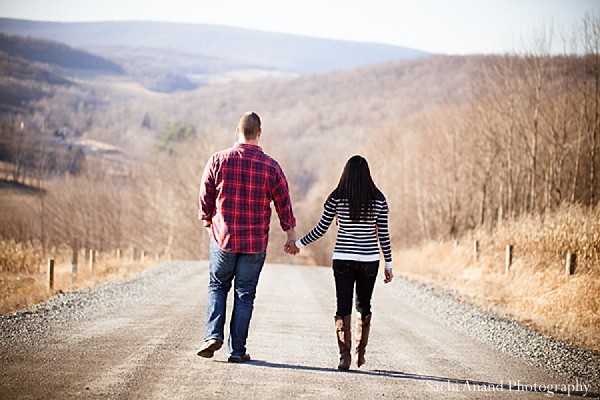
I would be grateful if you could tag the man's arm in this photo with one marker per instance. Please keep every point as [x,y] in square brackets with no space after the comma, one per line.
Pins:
[283,207]
[283,203]
[291,235]
[207,195]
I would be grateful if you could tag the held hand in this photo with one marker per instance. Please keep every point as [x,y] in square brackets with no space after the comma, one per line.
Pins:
[290,244]
[287,248]
[291,248]
[389,275]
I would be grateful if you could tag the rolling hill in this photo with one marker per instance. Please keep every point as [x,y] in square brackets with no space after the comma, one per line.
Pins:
[265,50]
[33,68]
[54,53]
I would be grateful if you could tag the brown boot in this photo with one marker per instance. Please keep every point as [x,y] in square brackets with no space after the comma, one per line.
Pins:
[363,327]
[343,328]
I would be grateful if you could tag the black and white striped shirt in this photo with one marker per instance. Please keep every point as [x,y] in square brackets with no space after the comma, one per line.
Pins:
[356,240]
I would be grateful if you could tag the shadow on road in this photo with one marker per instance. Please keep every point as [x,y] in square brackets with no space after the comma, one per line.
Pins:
[440,384]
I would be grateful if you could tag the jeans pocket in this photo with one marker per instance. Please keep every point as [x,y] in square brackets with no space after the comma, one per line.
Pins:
[341,267]
[370,269]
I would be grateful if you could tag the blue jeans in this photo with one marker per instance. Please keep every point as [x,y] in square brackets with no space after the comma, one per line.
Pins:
[244,270]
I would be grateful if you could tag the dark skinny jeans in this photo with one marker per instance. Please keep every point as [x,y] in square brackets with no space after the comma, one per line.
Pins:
[346,274]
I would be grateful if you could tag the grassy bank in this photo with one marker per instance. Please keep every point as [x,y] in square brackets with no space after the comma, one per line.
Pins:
[24,278]
[536,291]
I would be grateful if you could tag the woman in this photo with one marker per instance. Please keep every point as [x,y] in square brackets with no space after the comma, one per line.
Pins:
[362,216]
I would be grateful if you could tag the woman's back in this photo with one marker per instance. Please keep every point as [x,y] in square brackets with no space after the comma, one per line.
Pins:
[356,240]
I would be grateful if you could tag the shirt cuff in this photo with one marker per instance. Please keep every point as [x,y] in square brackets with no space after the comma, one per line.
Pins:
[299,244]
[388,265]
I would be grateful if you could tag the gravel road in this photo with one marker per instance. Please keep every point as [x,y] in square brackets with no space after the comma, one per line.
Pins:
[137,339]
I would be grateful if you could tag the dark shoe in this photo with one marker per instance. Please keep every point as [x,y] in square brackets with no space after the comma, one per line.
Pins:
[238,359]
[209,348]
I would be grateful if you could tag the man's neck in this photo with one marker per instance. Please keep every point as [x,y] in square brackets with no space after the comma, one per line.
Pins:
[243,140]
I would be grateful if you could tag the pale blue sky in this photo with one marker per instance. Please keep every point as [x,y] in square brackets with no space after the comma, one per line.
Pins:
[441,26]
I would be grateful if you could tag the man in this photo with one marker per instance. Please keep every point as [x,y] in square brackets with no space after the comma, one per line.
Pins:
[238,185]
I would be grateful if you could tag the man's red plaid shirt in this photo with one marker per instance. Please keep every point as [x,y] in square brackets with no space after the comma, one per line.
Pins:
[238,185]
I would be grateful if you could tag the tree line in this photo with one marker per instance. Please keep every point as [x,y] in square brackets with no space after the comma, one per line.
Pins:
[527,142]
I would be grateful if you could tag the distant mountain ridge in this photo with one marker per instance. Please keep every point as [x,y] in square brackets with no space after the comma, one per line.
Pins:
[53,53]
[289,53]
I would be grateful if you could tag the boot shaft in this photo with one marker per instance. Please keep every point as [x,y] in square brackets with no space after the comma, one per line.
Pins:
[363,328]
[343,328]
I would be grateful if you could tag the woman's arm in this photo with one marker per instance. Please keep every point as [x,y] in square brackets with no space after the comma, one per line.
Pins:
[324,223]
[384,235]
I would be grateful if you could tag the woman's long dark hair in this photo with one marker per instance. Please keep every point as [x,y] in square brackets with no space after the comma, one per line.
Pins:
[358,187]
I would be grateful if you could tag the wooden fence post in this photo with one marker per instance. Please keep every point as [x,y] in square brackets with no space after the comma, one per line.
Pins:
[509,257]
[570,263]
[74,263]
[142,256]
[476,250]
[92,256]
[118,254]
[51,274]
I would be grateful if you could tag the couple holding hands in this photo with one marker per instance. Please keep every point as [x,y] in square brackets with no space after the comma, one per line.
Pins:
[238,185]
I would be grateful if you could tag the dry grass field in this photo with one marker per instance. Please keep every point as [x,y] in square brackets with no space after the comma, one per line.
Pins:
[24,278]
[536,291]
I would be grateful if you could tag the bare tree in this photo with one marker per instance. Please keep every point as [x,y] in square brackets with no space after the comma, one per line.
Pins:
[591,28]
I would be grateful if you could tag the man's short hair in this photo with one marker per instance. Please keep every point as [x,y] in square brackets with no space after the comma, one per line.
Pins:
[249,125]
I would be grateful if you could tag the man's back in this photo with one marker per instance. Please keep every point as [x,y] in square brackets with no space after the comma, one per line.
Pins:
[238,185]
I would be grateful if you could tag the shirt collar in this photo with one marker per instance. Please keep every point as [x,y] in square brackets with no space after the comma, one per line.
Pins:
[248,146]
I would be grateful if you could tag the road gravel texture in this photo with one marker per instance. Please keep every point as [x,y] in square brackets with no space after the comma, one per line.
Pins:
[138,338]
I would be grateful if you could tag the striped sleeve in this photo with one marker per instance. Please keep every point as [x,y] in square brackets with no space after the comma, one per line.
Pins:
[324,223]
[383,233]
